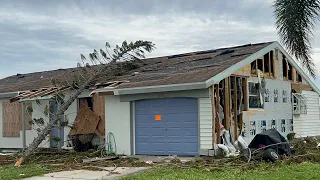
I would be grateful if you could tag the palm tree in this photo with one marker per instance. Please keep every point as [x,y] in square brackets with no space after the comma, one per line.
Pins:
[295,20]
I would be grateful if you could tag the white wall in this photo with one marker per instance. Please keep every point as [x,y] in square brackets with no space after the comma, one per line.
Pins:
[118,122]
[205,118]
[70,114]
[308,124]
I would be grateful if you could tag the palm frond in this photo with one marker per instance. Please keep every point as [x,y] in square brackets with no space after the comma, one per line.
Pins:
[295,21]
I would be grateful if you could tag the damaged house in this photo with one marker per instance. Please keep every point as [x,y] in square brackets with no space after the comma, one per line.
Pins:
[179,104]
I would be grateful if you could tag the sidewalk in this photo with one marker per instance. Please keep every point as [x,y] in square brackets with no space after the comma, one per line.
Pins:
[108,173]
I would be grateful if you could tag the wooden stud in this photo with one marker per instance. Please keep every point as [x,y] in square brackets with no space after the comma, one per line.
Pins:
[245,94]
[270,70]
[257,67]
[235,107]
[218,113]
[226,108]
[294,74]
[263,68]
[214,139]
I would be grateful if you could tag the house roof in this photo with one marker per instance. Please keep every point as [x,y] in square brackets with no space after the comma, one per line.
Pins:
[194,70]
[188,68]
[175,69]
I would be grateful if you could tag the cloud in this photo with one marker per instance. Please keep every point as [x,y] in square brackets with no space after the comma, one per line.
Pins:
[47,35]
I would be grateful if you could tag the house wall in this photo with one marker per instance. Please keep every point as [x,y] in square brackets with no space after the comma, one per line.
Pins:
[120,121]
[16,142]
[255,120]
[308,124]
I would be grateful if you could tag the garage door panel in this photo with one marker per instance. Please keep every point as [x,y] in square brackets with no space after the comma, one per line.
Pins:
[175,133]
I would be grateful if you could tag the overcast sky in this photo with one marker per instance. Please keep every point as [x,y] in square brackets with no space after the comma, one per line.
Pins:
[39,35]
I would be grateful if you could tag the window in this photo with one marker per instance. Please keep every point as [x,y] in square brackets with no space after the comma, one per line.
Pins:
[254,95]
[299,104]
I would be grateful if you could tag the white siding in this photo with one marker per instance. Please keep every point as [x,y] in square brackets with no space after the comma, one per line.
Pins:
[308,124]
[205,120]
[118,122]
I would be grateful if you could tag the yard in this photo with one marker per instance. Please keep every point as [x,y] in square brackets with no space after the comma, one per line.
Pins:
[304,170]
[263,171]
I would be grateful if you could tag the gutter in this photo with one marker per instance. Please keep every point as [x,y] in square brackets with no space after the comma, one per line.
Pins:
[161,88]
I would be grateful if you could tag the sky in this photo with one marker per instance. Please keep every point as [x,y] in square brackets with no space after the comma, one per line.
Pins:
[39,35]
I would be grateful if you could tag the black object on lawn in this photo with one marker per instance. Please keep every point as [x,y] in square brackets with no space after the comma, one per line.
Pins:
[273,139]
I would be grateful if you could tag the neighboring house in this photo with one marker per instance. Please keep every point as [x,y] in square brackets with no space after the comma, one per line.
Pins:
[174,105]
[22,91]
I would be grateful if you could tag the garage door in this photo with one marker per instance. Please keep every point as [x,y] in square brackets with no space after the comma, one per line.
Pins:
[166,126]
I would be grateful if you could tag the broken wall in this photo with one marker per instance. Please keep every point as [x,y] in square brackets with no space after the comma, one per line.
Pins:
[276,112]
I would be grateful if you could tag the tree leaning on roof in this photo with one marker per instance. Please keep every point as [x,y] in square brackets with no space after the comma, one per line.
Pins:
[105,60]
[295,21]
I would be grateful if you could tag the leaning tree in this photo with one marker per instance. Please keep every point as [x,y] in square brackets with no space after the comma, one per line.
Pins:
[98,64]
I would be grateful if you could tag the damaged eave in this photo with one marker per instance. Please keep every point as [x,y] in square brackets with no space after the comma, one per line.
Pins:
[226,73]
[299,69]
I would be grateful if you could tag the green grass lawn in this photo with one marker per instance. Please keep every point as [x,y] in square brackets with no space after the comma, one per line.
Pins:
[264,171]
[9,172]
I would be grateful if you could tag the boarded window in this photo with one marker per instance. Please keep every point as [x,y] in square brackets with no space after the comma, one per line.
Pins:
[99,109]
[11,119]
